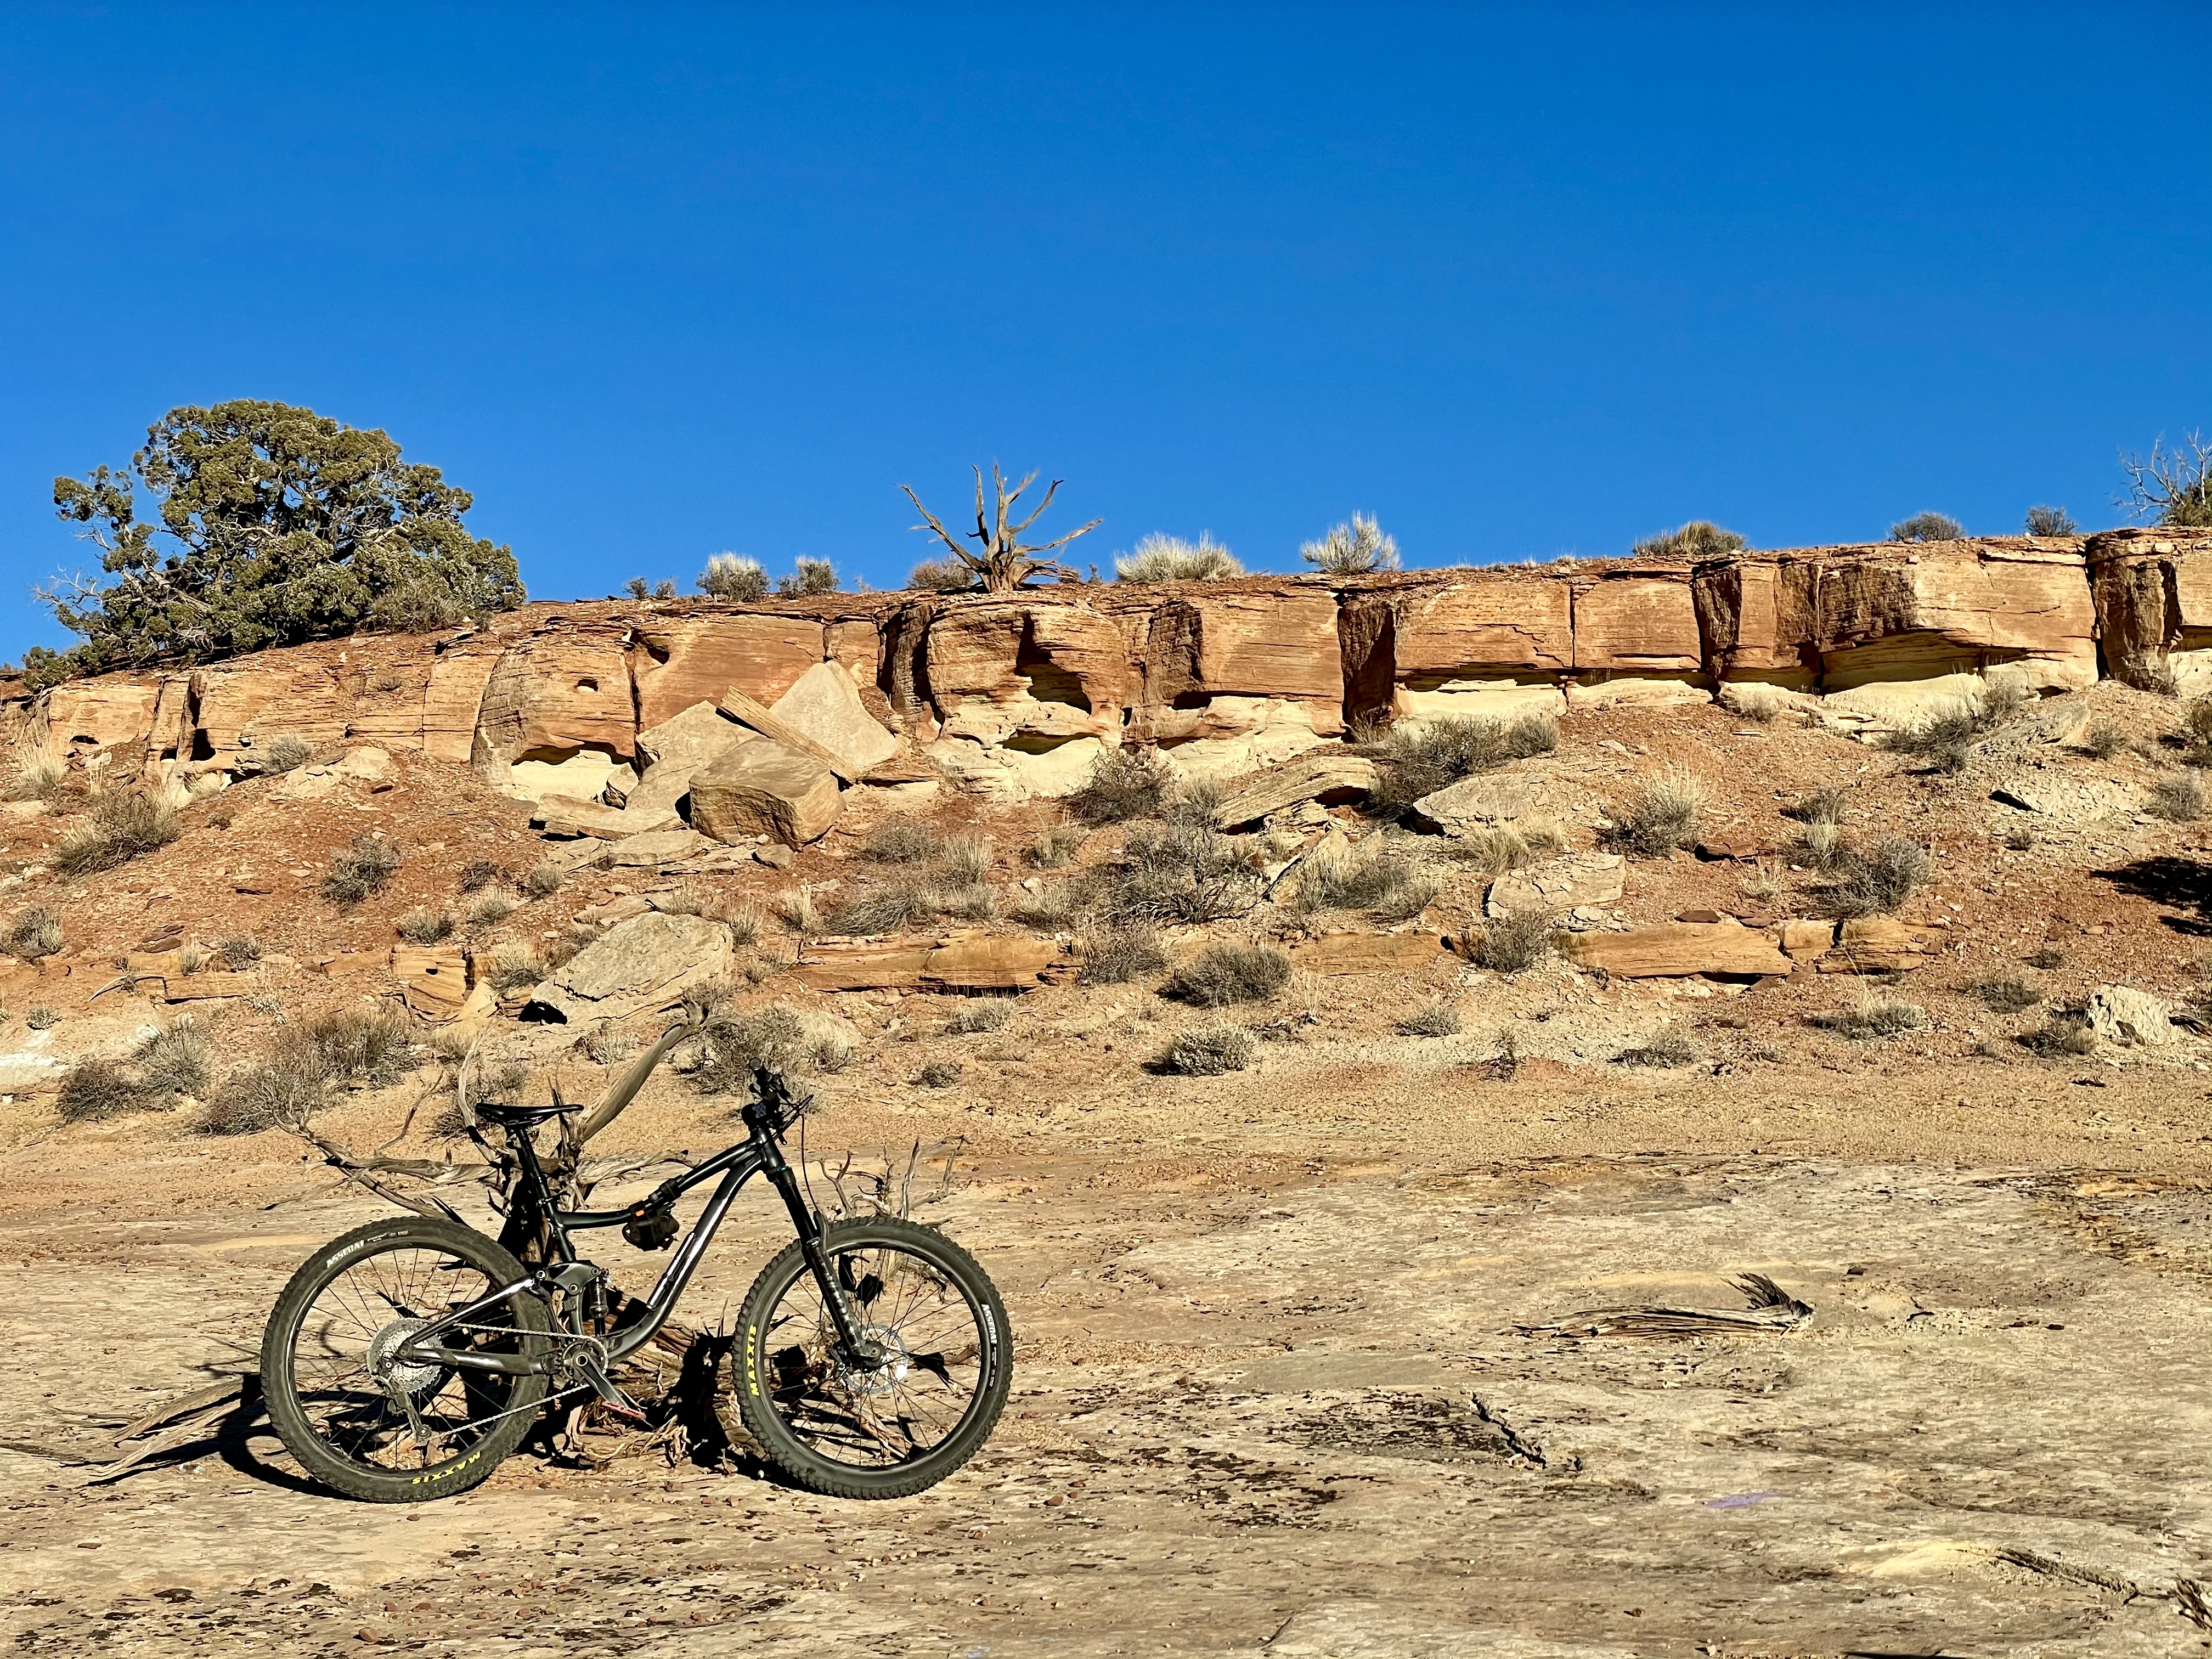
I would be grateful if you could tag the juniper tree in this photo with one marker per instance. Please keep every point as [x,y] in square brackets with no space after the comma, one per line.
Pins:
[272,525]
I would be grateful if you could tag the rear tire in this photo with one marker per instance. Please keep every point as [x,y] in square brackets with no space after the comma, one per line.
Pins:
[348,1305]
[899,1429]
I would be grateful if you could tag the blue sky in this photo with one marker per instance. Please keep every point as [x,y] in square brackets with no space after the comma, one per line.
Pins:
[657,282]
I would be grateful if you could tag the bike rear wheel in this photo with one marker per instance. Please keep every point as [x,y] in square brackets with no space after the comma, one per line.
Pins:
[896,1427]
[368,1422]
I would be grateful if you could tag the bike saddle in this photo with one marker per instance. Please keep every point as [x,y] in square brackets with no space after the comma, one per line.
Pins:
[492,1111]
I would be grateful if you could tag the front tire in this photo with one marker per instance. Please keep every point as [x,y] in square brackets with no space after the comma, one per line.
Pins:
[901,1426]
[400,1432]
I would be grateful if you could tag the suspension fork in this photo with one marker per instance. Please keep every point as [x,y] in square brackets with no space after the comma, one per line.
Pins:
[810,1245]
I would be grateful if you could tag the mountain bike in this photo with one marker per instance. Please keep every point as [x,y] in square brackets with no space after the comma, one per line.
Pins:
[407,1358]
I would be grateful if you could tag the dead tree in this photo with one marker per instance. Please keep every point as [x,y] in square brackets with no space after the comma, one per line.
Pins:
[999,560]
[2172,486]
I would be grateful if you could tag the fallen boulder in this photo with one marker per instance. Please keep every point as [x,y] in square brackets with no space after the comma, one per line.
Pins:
[434,980]
[1880,945]
[1808,939]
[980,963]
[765,788]
[749,710]
[2132,1018]
[1473,804]
[677,748]
[1677,950]
[824,704]
[635,967]
[657,847]
[1564,884]
[564,815]
[1310,777]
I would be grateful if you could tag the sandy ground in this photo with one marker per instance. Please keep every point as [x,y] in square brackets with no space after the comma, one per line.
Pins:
[1270,1395]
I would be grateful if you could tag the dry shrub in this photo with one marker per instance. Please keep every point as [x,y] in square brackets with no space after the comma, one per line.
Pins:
[1514,942]
[1418,761]
[2062,1036]
[1118,951]
[2197,725]
[1668,1048]
[1381,880]
[1050,906]
[1946,741]
[424,925]
[941,576]
[979,1014]
[489,910]
[2105,740]
[796,906]
[359,870]
[97,1088]
[165,1065]
[513,967]
[1874,882]
[939,1074]
[1124,784]
[287,753]
[1160,558]
[1756,702]
[1223,974]
[2004,996]
[1052,848]
[1660,817]
[35,774]
[2179,799]
[479,874]
[1438,1019]
[238,952]
[544,879]
[36,932]
[122,824]
[2046,958]
[830,1045]
[1181,872]
[1869,1020]
[965,860]
[886,908]
[1194,802]
[291,1080]
[41,1017]
[975,903]
[1822,806]
[732,1045]
[1206,1053]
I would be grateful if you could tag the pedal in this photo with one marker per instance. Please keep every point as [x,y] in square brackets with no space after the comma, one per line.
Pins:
[609,1391]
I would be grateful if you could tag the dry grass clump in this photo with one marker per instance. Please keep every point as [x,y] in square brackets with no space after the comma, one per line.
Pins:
[286,753]
[1438,1019]
[1206,1053]
[513,967]
[2008,995]
[1660,817]
[886,908]
[35,773]
[479,874]
[1514,942]
[41,1017]
[36,932]
[292,1079]
[1050,906]
[238,952]
[544,879]
[1756,702]
[965,860]
[122,824]
[941,576]
[1380,880]
[1872,882]
[424,925]
[1193,803]
[796,906]
[359,870]
[1124,784]
[979,1014]
[1946,740]
[1869,1020]
[900,840]
[2046,958]
[1116,952]
[1223,974]
[1700,538]
[1160,558]
[830,1044]
[1666,1050]
[1353,548]
[2105,740]
[1418,761]
[489,910]
[165,1065]
[2178,799]
[939,1074]
[1502,847]
[973,903]
[2061,1037]
[1052,848]
[2196,728]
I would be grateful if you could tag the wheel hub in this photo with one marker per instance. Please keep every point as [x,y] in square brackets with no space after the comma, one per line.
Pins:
[410,1376]
[889,1370]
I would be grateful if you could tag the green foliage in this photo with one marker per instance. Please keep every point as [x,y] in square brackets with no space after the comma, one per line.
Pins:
[1170,559]
[808,576]
[727,576]
[1700,538]
[273,525]
[1927,527]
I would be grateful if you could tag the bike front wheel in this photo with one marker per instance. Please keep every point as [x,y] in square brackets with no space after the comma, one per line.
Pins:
[944,1362]
[363,1415]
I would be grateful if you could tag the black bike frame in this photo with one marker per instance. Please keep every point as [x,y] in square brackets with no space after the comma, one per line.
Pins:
[760,1154]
